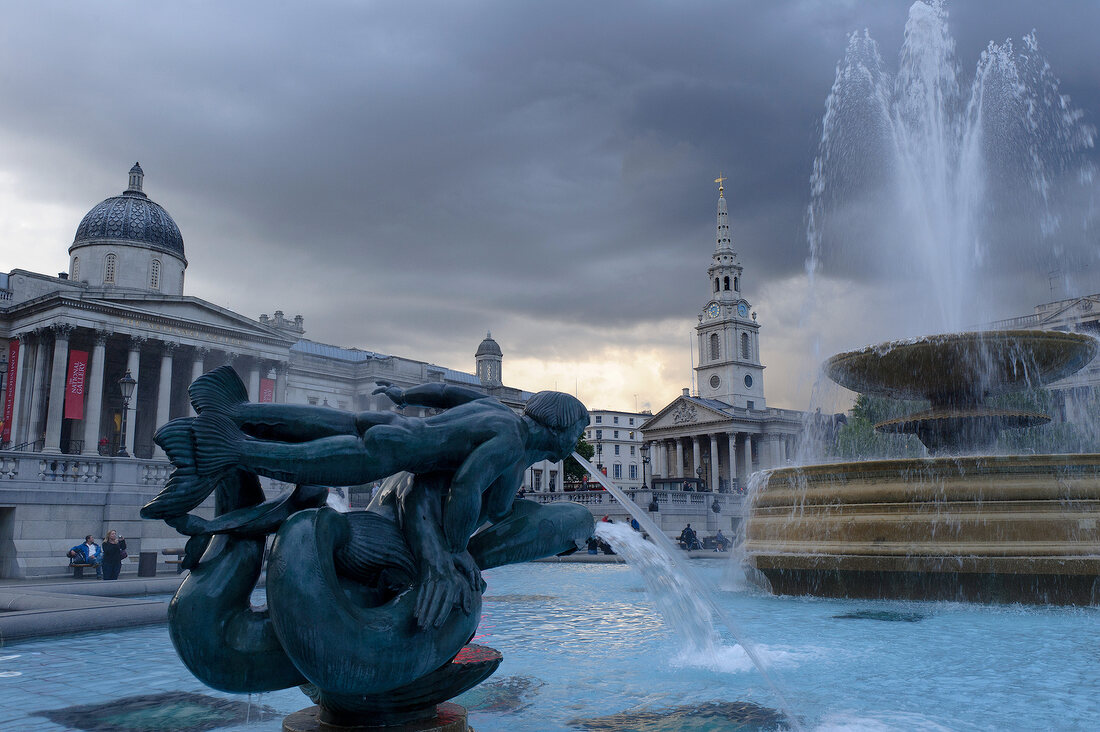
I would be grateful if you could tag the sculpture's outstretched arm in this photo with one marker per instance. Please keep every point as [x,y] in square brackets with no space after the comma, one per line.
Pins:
[462,509]
[437,396]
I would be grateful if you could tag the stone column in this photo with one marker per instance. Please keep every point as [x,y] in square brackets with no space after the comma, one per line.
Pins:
[198,360]
[696,455]
[679,458]
[164,390]
[254,380]
[133,365]
[93,412]
[714,463]
[34,418]
[21,375]
[732,457]
[748,457]
[280,381]
[62,332]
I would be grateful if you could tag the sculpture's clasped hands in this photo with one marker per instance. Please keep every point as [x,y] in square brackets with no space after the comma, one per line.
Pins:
[444,588]
[394,393]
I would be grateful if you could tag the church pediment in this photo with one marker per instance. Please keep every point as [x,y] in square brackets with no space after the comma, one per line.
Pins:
[685,412]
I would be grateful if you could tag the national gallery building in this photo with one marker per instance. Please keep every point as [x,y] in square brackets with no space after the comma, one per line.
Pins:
[78,455]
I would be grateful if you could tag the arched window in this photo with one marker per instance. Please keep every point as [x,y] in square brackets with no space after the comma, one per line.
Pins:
[154,274]
[76,268]
[746,350]
[714,346]
[725,283]
[109,269]
[716,284]
[737,284]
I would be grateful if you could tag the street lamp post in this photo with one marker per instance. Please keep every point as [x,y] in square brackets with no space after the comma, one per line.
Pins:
[599,454]
[699,471]
[706,472]
[126,385]
[645,461]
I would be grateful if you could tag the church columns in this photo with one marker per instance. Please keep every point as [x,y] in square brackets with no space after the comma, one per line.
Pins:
[747,458]
[696,454]
[94,409]
[679,458]
[714,464]
[164,390]
[62,332]
[732,439]
[133,362]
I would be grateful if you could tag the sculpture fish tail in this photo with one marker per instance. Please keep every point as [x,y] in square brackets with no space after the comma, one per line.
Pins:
[219,390]
[185,489]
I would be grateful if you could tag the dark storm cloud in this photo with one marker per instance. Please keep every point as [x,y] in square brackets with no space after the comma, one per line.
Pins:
[408,174]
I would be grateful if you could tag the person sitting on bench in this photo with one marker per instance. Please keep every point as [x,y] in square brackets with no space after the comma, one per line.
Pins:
[88,553]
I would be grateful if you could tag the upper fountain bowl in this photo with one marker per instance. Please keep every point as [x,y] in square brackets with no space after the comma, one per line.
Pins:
[962,368]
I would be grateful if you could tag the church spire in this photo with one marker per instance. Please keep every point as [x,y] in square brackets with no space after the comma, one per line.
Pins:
[723,240]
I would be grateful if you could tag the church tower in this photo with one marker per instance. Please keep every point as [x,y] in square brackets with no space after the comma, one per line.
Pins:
[729,367]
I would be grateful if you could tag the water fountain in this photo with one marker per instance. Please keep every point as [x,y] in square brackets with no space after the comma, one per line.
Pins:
[948,166]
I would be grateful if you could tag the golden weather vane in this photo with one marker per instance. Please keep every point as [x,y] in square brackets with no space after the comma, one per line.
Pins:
[720,180]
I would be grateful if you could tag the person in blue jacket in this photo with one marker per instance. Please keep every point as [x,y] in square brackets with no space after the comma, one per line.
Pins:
[88,553]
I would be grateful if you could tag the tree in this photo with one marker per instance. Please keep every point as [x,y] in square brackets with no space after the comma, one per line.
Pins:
[573,470]
[857,440]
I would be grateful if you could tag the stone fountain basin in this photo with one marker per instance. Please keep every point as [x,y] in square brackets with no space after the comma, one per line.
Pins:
[979,528]
[962,367]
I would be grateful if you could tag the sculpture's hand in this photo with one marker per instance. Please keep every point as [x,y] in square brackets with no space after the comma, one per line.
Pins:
[439,593]
[465,564]
[394,393]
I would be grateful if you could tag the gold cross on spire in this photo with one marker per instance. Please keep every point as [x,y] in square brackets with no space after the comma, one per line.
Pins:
[720,180]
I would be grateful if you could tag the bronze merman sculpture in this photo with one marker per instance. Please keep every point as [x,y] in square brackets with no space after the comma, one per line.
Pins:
[399,585]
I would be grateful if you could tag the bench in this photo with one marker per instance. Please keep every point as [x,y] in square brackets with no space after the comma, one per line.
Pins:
[711,544]
[178,561]
[78,569]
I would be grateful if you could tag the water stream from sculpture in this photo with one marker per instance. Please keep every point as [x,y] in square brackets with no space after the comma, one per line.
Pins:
[698,590]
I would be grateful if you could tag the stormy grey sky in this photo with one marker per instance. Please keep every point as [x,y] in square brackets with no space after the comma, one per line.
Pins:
[409,175]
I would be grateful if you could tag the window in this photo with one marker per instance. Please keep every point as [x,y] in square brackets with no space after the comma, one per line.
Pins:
[616,449]
[714,346]
[618,471]
[616,420]
[616,434]
[536,479]
[588,435]
[311,400]
[109,269]
[154,274]
[599,419]
[746,350]
[631,421]
[633,472]
[750,404]
[716,284]
[76,267]
[737,284]
[599,434]
[725,283]
[631,451]
[553,484]
[631,434]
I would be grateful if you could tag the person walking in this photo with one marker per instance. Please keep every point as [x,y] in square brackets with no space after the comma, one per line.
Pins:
[114,551]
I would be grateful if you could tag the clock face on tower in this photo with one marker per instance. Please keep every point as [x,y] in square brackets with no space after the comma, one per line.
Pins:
[712,311]
[742,309]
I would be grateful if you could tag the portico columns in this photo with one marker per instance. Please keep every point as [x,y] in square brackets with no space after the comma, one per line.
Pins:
[133,364]
[280,381]
[714,464]
[748,457]
[164,390]
[20,377]
[197,366]
[679,457]
[732,458]
[254,380]
[34,417]
[62,331]
[696,454]
[94,410]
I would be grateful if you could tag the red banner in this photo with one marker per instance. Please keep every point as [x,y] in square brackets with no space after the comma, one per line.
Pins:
[74,387]
[267,390]
[9,388]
